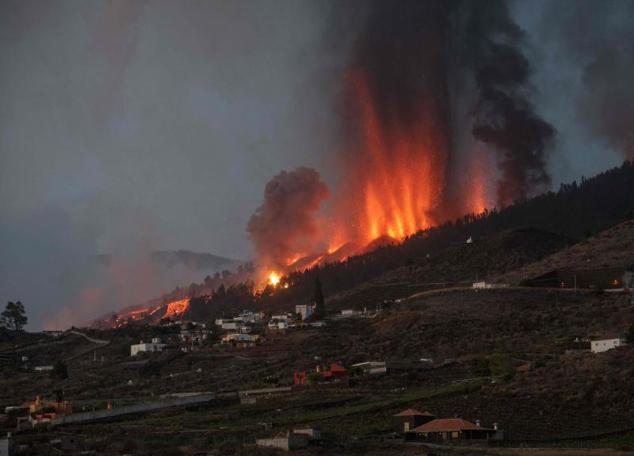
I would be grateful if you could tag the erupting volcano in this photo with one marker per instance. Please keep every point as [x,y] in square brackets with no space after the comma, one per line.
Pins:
[396,177]
[436,112]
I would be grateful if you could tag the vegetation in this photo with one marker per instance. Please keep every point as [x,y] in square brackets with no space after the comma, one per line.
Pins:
[629,335]
[13,317]
[60,370]
[320,306]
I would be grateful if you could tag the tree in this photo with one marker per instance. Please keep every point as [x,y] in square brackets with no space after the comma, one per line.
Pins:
[13,317]
[320,306]
[60,370]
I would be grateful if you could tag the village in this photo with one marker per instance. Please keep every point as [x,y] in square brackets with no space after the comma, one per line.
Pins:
[173,362]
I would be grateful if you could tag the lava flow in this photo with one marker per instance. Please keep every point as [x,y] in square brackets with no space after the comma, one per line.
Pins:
[396,171]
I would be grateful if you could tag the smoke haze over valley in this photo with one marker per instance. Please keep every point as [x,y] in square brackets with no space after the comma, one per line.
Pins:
[132,127]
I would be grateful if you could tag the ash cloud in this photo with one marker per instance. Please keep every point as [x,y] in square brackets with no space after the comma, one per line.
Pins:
[285,223]
[599,41]
[583,61]
[111,108]
[456,66]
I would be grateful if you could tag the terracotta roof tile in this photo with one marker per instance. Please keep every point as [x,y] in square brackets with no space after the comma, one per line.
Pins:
[449,425]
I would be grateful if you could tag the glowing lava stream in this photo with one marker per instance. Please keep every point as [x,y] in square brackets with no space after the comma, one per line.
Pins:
[274,278]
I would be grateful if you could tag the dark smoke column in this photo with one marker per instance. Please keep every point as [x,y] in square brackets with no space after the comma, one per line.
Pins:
[504,116]
[285,222]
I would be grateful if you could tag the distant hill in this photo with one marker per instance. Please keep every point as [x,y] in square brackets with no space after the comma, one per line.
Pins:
[193,260]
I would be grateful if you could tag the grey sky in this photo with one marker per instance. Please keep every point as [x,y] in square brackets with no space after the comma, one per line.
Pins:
[130,126]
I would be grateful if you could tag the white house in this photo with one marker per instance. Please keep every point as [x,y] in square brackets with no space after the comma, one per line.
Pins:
[5,447]
[230,326]
[598,346]
[488,285]
[346,313]
[154,346]
[222,321]
[277,324]
[288,442]
[305,310]
[249,317]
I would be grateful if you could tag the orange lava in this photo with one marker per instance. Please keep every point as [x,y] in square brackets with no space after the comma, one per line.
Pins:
[176,308]
[396,175]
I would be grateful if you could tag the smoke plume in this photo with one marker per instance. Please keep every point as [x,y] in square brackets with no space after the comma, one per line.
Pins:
[601,40]
[285,222]
[437,70]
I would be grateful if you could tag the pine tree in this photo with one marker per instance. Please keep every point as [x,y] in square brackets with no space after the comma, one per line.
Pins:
[13,317]
[320,306]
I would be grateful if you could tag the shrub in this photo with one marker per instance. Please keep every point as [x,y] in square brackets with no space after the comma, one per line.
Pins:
[60,370]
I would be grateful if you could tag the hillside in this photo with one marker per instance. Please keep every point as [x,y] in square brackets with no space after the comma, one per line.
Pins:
[460,265]
[613,247]
[575,211]
[194,261]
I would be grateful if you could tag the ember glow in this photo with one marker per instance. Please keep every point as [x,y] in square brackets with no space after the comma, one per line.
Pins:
[274,279]
[176,308]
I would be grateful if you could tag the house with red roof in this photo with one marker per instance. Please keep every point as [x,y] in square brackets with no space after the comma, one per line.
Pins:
[452,429]
[409,419]
[335,372]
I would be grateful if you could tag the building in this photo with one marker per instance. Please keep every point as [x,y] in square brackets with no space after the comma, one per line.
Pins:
[288,442]
[300,378]
[409,419]
[194,333]
[59,407]
[230,326]
[5,446]
[598,346]
[347,313]
[488,285]
[440,429]
[155,346]
[250,317]
[372,367]
[311,433]
[277,323]
[41,412]
[305,310]
[335,372]
[240,340]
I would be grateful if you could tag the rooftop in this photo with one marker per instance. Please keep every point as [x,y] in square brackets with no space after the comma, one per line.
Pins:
[449,425]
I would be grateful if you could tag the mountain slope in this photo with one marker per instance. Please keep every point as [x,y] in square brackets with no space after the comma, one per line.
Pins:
[613,247]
